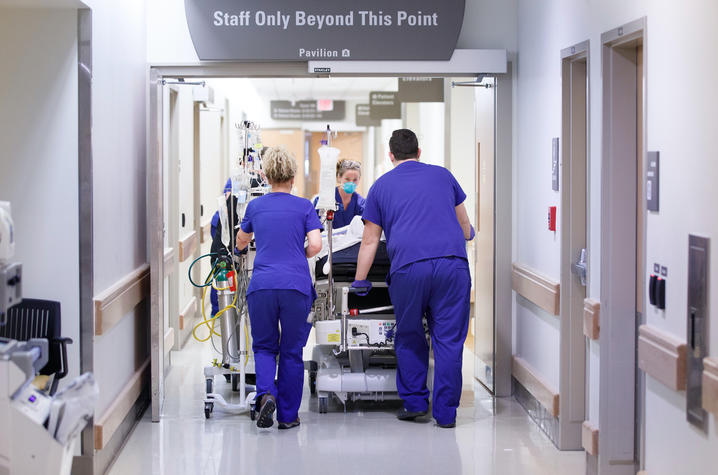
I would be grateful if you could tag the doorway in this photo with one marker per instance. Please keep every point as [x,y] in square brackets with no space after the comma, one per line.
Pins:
[574,243]
[368,142]
[622,247]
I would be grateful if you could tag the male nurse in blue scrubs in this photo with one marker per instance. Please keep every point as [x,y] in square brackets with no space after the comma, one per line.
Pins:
[420,208]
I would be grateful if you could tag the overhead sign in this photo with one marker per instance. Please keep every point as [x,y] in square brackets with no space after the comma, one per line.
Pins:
[291,30]
[307,110]
[363,117]
[421,89]
[384,105]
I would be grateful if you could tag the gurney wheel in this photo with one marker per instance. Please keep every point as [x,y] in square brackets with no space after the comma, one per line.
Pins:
[208,407]
[252,414]
[323,404]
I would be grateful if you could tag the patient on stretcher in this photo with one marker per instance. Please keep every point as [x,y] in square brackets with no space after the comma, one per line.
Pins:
[345,245]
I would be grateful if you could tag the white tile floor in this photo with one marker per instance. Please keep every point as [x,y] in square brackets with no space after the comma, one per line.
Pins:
[491,437]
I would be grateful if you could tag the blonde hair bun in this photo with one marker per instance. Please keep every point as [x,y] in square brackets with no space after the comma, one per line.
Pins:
[279,165]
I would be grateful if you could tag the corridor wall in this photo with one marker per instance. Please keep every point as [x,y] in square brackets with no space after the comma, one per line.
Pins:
[118,145]
[680,124]
[38,164]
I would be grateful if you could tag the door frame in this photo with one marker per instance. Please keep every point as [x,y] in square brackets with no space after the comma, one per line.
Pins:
[155,220]
[619,319]
[173,217]
[575,218]
[488,190]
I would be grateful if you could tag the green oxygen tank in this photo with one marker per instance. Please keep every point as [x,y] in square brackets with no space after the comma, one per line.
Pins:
[226,282]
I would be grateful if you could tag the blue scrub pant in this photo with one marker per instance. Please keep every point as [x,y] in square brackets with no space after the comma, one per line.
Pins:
[268,309]
[440,290]
[214,300]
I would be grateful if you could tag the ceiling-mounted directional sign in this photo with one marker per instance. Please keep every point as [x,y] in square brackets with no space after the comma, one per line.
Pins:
[384,105]
[421,89]
[291,30]
[307,110]
[363,117]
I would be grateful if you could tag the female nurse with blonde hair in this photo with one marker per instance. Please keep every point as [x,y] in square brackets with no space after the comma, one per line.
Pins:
[280,292]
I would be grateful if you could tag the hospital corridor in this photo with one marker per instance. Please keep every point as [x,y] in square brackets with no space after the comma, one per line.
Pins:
[358,237]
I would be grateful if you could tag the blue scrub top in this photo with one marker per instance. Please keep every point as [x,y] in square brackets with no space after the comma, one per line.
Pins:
[415,204]
[343,216]
[280,223]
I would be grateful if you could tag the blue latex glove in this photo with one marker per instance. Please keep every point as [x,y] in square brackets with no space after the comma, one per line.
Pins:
[473,233]
[365,285]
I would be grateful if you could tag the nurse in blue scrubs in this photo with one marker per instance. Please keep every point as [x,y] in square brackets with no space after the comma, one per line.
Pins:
[420,208]
[280,292]
[349,202]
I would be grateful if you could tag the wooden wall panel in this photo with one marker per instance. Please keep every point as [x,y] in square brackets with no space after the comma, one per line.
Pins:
[591,319]
[662,356]
[187,246]
[108,423]
[535,384]
[293,141]
[117,301]
[537,288]
[589,438]
[206,232]
[351,145]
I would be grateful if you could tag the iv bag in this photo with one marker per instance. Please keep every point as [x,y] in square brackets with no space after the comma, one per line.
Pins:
[224,219]
[327,177]
[240,186]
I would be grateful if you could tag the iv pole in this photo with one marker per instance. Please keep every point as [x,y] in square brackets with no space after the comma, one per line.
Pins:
[329,221]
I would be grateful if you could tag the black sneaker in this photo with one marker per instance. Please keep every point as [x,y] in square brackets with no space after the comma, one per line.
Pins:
[266,412]
[288,425]
[405,415]
[450,425]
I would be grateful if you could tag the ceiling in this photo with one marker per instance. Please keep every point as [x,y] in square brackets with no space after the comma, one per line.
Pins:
[336,88]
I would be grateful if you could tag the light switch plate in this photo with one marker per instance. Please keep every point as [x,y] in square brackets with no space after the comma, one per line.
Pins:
[554,164]
[652,181]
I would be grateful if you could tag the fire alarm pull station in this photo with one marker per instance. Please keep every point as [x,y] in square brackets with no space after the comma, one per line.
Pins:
[552,218]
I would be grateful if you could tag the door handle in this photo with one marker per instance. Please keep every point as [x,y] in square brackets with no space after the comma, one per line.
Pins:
[579,268]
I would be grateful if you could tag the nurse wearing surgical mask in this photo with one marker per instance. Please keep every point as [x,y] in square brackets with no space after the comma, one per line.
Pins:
[349,202]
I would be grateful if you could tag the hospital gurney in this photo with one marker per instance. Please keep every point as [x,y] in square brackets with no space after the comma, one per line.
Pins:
[354,356]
